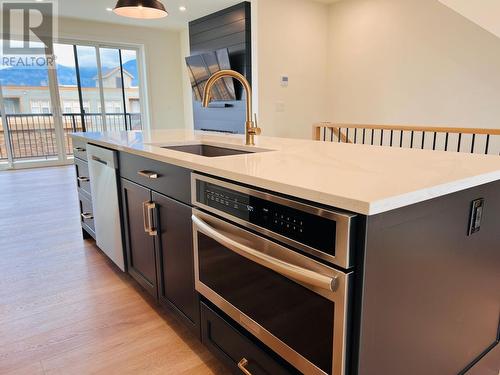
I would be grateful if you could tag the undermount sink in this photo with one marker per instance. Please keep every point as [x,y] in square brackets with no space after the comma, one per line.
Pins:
[207,150]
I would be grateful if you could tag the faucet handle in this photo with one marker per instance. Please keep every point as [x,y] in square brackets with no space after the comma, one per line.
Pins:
[256,130]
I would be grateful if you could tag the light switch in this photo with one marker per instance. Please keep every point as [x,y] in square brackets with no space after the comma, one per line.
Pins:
[284,81]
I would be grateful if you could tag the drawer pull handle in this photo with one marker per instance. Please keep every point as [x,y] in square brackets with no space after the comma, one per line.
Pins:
[242,366]
[99,160]
[80,149]
[83,179]
[148,174]
[87,216]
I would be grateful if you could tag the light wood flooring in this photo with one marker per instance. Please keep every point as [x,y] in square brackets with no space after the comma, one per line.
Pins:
[64,309]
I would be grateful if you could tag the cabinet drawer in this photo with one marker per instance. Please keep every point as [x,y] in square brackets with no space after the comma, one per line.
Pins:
[86,212]
[232,347]
[82,176]
[80,149]
[164,178]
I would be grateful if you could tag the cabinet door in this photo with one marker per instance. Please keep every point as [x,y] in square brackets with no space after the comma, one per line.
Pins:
[139,244]
[175,259]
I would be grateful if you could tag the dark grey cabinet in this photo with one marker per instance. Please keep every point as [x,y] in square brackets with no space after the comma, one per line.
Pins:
[236,350]
[174,244]
[139,244]
[158,233]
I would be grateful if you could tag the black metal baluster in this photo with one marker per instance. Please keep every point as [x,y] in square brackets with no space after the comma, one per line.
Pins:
[30,151]
[331,134]
[338,134]
[381,137]
[364,135]
[401,139]
[392,136]
[20,138]
[373,136]
[355,135]
[411,142]
[434,141]
[487,144]
[347,135]
[459,141]
[473,143]
[39,143]
[446,142]
[324,134]
[423,140]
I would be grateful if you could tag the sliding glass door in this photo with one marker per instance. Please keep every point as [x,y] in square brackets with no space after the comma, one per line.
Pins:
[28,122]
[92,88]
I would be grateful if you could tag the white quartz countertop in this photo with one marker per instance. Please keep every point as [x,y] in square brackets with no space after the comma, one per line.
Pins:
[358,178]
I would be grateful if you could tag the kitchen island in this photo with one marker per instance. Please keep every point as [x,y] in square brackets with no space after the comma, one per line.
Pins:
[412,278]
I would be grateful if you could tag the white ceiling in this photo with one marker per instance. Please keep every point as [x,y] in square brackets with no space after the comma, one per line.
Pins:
[485,13]
[95,10]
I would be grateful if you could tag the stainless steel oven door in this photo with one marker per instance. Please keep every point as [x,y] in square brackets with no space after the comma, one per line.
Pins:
[292,303]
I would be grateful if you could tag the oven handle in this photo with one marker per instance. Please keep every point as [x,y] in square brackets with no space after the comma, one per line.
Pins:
[291,271]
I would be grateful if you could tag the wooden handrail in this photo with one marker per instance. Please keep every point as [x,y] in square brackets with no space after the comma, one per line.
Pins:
[339,132]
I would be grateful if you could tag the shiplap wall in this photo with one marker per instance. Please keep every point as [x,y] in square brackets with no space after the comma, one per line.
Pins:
[229,28]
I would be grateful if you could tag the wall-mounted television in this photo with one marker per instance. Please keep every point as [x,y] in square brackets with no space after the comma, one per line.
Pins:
[201,67]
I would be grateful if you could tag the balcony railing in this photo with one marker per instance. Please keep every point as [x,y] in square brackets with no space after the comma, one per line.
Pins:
[470,140]
[33,136]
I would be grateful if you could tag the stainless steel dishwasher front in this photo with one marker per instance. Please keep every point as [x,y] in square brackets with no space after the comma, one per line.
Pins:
[103,164]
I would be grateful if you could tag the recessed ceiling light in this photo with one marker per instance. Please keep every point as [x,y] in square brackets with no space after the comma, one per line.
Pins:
[109,9]
[182,8]
[39,1]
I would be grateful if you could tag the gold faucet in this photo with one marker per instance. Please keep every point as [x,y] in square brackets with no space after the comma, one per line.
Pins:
[251,129]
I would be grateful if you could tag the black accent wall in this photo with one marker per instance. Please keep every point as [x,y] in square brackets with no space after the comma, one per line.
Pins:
[229,28]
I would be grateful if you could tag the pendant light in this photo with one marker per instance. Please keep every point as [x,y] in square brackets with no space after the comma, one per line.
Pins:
[144,9]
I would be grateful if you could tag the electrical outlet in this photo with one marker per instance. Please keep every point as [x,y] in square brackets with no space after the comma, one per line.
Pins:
[280,106]
[476,216]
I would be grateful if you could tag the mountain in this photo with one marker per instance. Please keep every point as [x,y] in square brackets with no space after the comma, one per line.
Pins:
[66,75]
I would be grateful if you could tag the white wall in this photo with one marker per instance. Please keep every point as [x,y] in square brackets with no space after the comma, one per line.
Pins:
[291,40]
[485,13]
[162,50]
[411,62]
[187,90]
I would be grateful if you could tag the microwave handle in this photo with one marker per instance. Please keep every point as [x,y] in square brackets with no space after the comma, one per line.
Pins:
[291,271]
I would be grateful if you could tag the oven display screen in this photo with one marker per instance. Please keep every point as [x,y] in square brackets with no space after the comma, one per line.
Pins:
[311,230]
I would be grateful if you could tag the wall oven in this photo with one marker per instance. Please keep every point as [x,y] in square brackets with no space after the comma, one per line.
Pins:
[268,263]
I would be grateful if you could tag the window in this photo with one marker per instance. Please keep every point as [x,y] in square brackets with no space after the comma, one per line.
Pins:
[118,82]
[73,106]
[112,106]
[12,106]
[40,106]
[134,105]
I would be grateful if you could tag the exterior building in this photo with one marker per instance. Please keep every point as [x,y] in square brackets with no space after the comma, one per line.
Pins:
[36,99]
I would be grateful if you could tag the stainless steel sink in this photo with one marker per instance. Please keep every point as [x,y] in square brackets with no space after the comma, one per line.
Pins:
[207,150]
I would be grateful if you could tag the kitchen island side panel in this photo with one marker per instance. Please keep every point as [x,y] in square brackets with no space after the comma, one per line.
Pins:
[431,292]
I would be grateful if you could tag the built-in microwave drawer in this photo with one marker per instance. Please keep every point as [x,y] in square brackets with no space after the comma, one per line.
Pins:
[86,212]
[237,351]
[79,149]
[325,233]
[167,179]
[82,176]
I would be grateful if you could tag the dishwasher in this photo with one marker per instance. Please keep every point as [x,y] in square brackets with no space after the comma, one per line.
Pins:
[103,165]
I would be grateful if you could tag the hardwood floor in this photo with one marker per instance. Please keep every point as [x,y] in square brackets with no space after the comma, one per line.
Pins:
[64,308]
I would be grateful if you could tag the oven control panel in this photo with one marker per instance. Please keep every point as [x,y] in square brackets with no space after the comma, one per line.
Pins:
[281,216]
